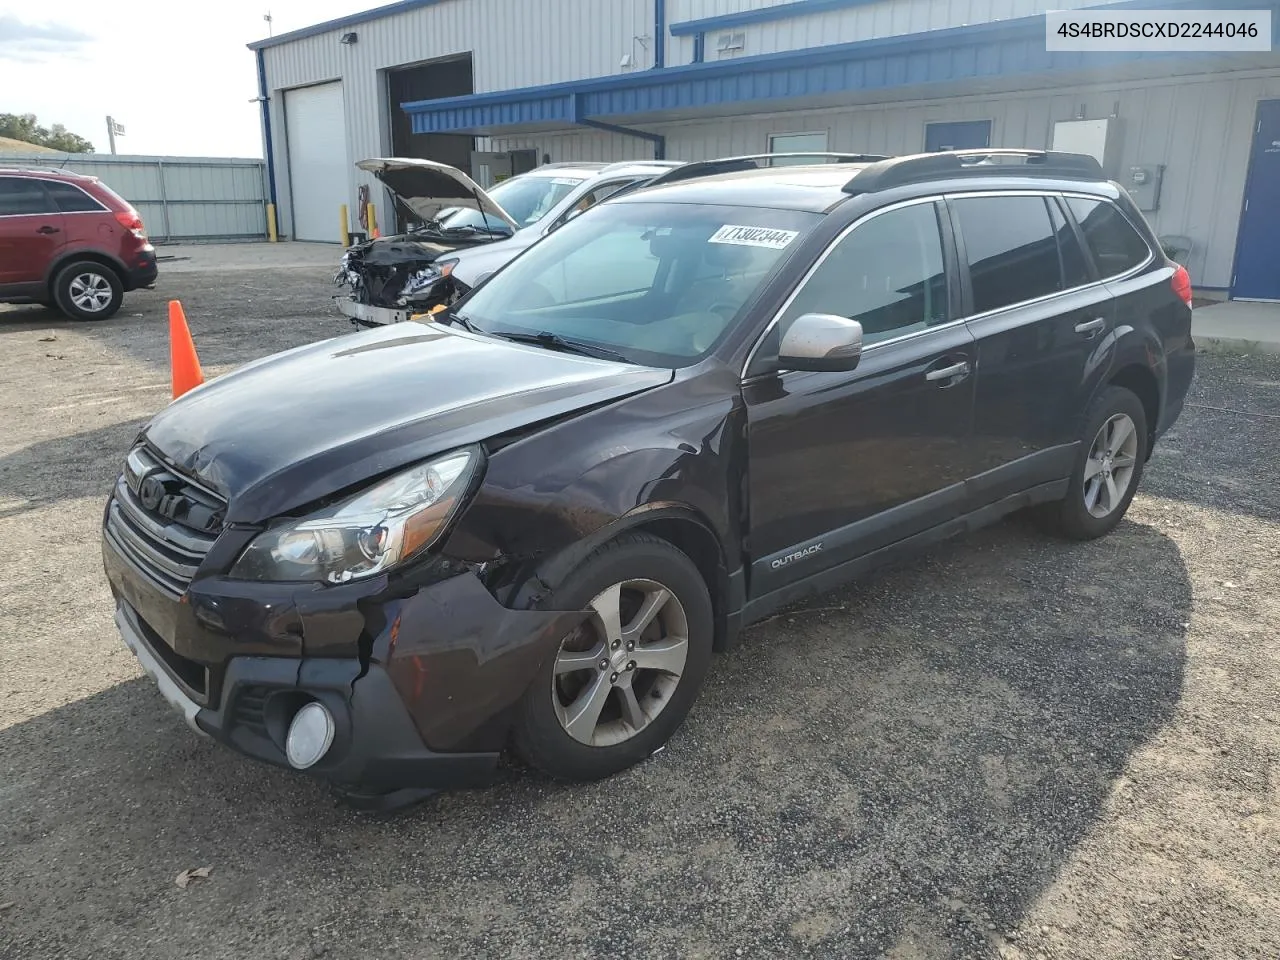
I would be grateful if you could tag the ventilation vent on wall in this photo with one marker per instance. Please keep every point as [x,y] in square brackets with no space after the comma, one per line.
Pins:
[729,42]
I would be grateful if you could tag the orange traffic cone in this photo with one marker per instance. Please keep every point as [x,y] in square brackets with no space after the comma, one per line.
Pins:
[182,352]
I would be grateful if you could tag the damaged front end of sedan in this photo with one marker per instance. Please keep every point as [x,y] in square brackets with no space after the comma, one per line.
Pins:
[393,279]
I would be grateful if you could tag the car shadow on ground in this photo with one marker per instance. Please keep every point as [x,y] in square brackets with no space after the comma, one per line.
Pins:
[64,468]
[909,760]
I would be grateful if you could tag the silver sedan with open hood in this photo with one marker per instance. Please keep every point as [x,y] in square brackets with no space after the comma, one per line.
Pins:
[446,213]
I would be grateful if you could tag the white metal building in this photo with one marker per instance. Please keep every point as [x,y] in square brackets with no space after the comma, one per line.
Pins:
[694,79]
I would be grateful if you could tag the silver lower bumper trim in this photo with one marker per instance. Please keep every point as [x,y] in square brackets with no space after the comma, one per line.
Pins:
[169,689]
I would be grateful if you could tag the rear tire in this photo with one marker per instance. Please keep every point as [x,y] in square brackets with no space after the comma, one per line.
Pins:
[1107,470]
[86,290]
[619,685]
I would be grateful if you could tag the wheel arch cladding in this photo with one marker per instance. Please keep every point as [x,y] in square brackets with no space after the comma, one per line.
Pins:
[1141,381]
[87,256]
[695,539]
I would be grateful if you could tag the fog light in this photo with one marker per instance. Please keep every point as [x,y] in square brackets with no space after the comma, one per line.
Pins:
[310,735]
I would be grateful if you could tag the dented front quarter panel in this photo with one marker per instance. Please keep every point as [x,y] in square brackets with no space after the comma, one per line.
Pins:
[675,449]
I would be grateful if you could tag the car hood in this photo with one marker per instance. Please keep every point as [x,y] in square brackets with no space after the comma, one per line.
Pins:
[476,264]
[410,248]
[424,188]
[300,426]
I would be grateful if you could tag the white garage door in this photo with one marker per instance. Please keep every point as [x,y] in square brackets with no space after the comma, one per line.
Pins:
[318,168]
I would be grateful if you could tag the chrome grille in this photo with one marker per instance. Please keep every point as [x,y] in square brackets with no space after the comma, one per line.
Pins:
[161,522]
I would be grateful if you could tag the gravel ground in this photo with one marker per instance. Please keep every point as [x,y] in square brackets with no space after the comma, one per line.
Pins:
[1011,748]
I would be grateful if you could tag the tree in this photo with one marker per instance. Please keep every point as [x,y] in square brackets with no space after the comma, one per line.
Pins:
[25,127]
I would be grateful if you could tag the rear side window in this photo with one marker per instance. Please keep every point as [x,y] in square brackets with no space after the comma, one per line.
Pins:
[71,199]
[887,274]
[1011,247]
[1116,246]
[23,196]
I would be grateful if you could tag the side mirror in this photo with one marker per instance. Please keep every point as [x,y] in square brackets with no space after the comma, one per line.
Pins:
[821,341]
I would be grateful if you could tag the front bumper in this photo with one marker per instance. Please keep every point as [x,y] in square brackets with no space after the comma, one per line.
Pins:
[375,746]
[422,687]
[367,314]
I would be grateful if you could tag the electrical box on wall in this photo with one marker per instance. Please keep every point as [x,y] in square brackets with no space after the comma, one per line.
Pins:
[1096,138]
[1143,183]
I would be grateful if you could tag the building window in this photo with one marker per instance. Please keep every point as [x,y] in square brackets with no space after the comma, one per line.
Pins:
[963,135]
[796,143]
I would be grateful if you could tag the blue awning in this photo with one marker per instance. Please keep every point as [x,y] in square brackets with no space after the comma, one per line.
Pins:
[999,49]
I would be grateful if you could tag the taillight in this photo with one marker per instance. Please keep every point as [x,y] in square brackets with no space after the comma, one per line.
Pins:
[130,220]
[1181,283]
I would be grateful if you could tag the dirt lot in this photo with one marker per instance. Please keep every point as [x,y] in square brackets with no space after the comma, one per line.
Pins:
[1011,748]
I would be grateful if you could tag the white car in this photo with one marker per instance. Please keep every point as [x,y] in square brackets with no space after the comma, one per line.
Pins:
[391,279]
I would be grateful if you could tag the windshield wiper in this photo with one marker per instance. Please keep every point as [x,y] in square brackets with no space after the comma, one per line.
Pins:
[466,323]
[553,341]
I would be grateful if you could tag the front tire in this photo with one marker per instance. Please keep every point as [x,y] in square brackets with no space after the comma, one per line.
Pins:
[1107,470]
[622,682]
[86,290]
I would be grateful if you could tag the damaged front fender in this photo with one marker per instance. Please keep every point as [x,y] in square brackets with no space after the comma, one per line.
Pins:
[460,660]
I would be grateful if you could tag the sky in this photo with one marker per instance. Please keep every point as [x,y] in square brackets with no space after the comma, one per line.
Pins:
[175,73]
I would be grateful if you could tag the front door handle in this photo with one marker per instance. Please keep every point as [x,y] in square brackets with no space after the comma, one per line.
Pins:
[947,373]
[47,230]
[1088,328]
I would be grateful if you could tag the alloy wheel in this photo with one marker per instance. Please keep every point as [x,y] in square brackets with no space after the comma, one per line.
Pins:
[1109,468]
[620,668]
[91,292]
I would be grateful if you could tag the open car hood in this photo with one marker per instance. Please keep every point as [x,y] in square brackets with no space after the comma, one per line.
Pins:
[424,188]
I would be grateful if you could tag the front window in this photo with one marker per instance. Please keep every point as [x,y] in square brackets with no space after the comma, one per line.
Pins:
[659,283]
[527,199]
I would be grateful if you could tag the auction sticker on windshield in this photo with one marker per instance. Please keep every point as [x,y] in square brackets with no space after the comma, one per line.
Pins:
[753,236]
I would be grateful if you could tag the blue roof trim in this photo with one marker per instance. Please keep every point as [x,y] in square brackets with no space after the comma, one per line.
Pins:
[1009,47]
[377,13]
[781,11]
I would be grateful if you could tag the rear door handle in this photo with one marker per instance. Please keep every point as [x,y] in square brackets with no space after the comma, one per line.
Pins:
[47,230]
[1090,327]
[947,373]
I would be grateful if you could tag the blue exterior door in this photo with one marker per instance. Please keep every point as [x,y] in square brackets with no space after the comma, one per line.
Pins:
[965,135]
[1258,242]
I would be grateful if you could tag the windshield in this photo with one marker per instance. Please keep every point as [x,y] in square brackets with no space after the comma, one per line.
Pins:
[528,199]
[659,283]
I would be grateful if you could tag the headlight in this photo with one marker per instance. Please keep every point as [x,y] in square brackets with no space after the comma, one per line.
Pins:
[388,523]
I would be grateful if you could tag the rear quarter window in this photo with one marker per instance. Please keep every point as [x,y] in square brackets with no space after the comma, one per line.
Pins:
[1116,246]
[71,199]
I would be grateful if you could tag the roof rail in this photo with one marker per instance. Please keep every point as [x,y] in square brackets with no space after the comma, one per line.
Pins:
[709,168]
[585,164]
[639,163]
[898,171]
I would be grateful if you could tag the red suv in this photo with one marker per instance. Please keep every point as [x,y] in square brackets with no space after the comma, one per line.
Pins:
[69,241]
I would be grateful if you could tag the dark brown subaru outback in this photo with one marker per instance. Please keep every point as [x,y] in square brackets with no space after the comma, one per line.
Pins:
[387,557]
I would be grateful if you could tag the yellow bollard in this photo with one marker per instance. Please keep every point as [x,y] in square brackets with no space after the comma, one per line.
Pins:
[271,222]
[373,222]
[342,215]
